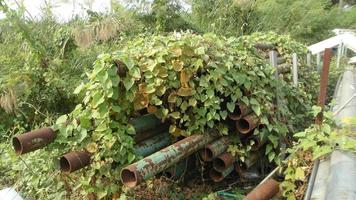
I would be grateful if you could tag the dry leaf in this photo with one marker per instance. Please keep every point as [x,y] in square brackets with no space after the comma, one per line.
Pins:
[177,65]
[186,92]
[140,101]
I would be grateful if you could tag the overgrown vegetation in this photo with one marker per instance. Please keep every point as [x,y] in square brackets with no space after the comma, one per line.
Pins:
[42,62]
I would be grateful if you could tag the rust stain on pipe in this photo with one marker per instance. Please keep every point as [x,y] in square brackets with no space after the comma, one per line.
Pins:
[240,111]
[74,160]
[214,149]
[247,123]
[217,176]
[265,191]
[148,167]
[224,161]
[33,140]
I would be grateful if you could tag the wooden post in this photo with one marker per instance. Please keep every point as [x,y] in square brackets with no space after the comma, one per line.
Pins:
[295,69]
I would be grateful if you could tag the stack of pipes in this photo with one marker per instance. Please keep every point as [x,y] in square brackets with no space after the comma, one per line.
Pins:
[152,139]
[151,136]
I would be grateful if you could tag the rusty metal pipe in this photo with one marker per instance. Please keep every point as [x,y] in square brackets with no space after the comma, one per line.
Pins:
[145,123]
[156,143]
[257,143]
[223,161]
[144,135]
[74,160]
[265,191]
[214,149]
[33,140]
[218,176]
[247,123]
[239,111]
[148,167]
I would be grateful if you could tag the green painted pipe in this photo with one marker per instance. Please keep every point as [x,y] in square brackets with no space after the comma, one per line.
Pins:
[214,149]
[145,123]
[148,167]
[156,143]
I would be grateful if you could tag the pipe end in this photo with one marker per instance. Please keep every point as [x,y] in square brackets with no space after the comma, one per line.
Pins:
[243,126]
[16,143]
[206,154]
[65,165]
[215,175]
[129,178]
[219,164]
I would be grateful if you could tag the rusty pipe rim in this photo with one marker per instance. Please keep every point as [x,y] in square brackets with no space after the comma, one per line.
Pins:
[129,177]
[239,112]
[222,162]
[33,140]
[215,175]
[206,154]
[247,124]
[243,126]
[74,160]
[18,146]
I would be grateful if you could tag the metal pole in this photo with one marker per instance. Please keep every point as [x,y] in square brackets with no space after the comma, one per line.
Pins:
[274,61]
[339,53]
[295,69]
[323,83]
[309,59]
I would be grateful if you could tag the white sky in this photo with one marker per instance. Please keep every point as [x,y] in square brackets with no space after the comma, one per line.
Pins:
[64,10]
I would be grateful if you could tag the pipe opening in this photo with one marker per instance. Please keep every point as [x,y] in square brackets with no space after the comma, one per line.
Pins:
[206,154]
[64,164]
[168,174]
[128,178]
[216,176]
[243,126]
[17,145]
[219,164]
[237,114]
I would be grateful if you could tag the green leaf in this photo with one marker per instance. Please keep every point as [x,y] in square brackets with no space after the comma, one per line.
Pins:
[230,106]
[256,109]
[131,157]
[223,114]
[92,147]
[62,119]
[175,115]
[79,88]
[210,93]
[98,99]
[274,140]
[135,72]
[128,62]
[253,101]
[128,83]
[200,51]
[299,174]
[271,156]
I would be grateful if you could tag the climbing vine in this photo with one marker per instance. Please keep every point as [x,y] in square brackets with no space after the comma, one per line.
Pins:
[191,81]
